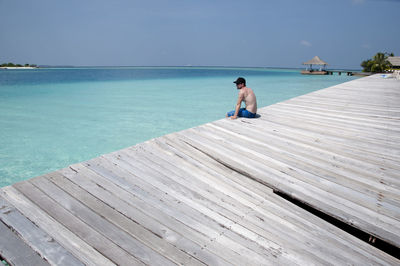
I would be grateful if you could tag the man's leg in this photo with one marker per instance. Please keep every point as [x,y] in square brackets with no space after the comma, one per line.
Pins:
[248,114]
[231,113]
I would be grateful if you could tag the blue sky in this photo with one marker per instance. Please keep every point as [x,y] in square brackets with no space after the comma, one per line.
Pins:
[197,32]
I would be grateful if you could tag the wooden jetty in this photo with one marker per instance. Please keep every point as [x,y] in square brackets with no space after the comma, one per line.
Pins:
[330,72]
[339,72]
[206,195]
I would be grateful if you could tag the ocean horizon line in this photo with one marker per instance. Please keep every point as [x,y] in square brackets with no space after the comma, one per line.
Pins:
[192,66]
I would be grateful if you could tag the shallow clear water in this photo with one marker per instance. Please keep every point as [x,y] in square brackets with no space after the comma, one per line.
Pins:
[51,118]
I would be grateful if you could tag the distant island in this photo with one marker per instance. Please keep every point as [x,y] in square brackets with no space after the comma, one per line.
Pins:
[17,66]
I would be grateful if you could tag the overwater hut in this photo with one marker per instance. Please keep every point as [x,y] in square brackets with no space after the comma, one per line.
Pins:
[315,61]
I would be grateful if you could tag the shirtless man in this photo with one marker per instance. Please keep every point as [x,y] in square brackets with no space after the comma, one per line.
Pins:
[247,95]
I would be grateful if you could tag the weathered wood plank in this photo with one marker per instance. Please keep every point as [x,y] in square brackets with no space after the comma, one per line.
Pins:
[15,250]
[131,209]
[101,225]
[82,250]
[347,108]
[33,236]
[351,254]
[316,146]
[340,116]
[248,219]
[214,143]
[376,131]
[159,207]
[214,167]
[184,200]
[340,113]
[348,185]
[354,156]
[130,226]
[282,180]
[189,167]
[77,226]
[372,139]
[364,146]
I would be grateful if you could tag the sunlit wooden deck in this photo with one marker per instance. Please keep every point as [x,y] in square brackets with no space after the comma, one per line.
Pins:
[205,195]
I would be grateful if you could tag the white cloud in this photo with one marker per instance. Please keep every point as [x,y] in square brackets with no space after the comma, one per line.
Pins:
[305,43]
[366,46]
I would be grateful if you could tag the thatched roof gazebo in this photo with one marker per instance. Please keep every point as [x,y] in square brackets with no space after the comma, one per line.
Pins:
[315,61]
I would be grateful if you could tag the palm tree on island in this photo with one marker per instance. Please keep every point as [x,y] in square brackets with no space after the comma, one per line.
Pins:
[378,64]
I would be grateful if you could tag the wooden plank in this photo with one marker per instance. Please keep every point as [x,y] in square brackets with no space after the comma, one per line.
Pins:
[275,163]
[322,229]
[355,103]
[357,118]
[33,236]
[363,182]
[375,130]
[359,97]
[190,177]
[348,185]
[158,207]
[353,155]
[282,180]
[282,222]
[80,249]
[97,222]
[365,148]
[131,227]
[248,220]
[354,124]
[357,110]
[214,167]
[351,255]
[15,250]
[131,178]
[78,227]
[184,199]
[150,222]
[344,111]
[228,185]
[374,138]
[318,146]
[228,145]
[340,113]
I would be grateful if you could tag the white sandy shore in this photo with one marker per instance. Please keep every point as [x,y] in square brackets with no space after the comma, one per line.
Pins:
[18,67]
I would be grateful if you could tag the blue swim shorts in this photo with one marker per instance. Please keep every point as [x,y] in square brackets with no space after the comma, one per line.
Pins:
[242,113]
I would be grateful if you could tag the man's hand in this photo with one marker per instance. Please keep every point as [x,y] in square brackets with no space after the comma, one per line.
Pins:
[233,117]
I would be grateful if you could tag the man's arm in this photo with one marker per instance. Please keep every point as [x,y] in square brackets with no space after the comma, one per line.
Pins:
[239,102]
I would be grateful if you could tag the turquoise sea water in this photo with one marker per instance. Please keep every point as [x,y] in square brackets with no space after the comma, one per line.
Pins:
[51,118]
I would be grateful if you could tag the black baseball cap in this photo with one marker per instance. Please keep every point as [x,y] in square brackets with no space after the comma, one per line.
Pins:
[240,80]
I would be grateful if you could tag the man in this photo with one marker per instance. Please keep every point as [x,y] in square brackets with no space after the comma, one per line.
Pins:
[247,95]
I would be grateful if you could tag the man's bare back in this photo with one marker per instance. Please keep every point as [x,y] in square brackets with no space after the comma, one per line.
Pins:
[249,99]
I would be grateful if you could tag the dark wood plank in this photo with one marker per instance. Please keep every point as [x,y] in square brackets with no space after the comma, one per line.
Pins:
[80,228]
[129,226]
[97,222]
[15,250]
[35,237]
